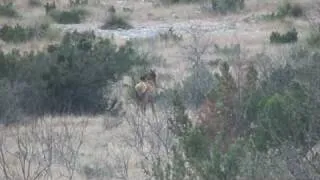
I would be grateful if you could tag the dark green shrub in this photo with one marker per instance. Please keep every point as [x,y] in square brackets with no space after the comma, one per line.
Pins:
[116,22]
[289,37]
[285,9]
[224,6]
[74,16]
[70,77]
[18,33]
[8,10]
[281,109]
[296,10]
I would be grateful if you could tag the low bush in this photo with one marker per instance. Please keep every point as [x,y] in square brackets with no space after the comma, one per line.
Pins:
[289,37]
[18,33]
[71,77]
[73,16]
[116,22]
[8,10]
[224,6]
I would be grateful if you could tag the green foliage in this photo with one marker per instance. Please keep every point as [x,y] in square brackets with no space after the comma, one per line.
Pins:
[17,34]
[8,10]
[281,119]
[73,76]
[278,109]
[224,6]
[116,22]
[289,37]
[73,16]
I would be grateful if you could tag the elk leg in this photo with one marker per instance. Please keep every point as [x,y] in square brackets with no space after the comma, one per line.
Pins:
[154,110]
[144,108]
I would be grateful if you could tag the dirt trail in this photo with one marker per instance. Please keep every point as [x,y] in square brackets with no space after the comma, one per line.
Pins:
[152,29]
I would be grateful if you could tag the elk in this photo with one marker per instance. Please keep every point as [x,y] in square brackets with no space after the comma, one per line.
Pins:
[145,91]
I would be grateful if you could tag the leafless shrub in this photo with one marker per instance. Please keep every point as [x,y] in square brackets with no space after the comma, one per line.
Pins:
[121,157]
[199,49]
[22,157]
[70,138]
[34,151]
[150,138]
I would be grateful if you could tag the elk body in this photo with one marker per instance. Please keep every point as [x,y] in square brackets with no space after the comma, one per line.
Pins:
[145,92]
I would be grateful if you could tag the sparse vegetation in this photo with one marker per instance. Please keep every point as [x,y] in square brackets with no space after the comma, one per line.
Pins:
[73,16]
[289,37]
[8,10]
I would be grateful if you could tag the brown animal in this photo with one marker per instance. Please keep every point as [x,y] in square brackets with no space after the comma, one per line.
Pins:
[145,91]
